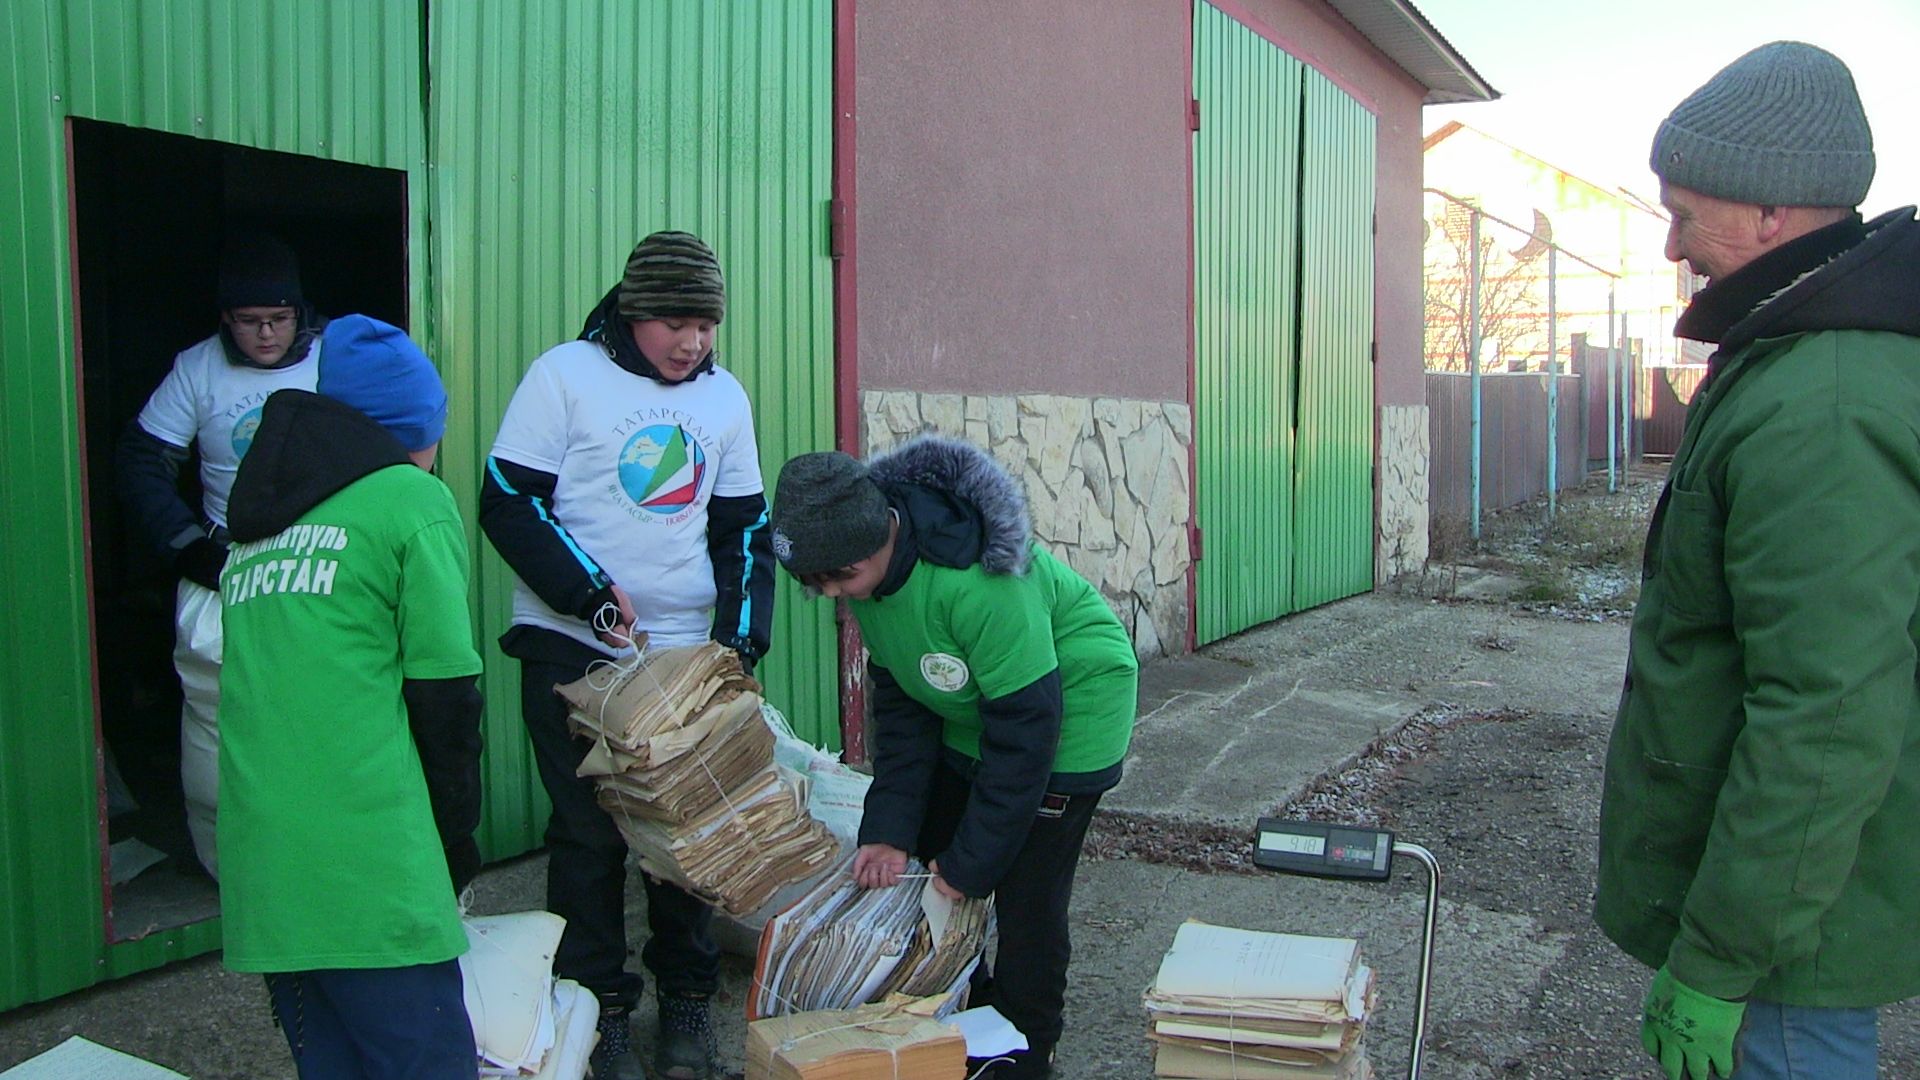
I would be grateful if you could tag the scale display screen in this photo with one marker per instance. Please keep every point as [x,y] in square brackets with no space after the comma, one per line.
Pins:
[1321,850]
[1293,843]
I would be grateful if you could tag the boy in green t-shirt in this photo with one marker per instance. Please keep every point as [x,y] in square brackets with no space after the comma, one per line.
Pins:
[1003,692]
[350,718]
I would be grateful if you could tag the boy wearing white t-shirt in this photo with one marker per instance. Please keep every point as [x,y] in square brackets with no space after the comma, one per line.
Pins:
[211,401]
[624,491]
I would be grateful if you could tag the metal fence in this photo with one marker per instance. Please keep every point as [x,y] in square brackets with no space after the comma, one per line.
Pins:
[1471,288]
[1513,414]
[1665,393]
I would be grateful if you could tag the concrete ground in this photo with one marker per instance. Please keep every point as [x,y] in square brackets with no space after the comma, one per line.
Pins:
[1223,736]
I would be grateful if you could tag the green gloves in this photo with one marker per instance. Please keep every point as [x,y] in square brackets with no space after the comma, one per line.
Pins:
[1690,1033]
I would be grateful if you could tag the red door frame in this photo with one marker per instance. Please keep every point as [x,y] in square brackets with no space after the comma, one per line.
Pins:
[846,351]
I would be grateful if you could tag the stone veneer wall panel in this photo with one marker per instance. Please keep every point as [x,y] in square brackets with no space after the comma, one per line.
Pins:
[1106,482]
[1405,457]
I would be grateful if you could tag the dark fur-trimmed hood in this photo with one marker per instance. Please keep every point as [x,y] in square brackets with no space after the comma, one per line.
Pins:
[963,506]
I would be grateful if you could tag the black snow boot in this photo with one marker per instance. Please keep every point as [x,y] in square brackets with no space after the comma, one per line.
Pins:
[613,1057]
[687,1047]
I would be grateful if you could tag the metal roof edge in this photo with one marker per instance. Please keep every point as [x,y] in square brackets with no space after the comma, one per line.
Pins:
[1399,30]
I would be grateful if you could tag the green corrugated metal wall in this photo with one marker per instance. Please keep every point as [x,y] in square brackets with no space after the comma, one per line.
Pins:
[531,215]
[563,132]
[1245,184]
[342,83]
[1283,386]
[1333,472]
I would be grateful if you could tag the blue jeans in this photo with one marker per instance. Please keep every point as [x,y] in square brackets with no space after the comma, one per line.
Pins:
[406,1023]
[1800,1042]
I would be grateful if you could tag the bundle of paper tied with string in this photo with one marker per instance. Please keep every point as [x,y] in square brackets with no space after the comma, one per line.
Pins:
[890,1040]
[841,946]
[684,763]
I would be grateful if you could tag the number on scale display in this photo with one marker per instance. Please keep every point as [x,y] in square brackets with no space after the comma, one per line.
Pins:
[1293,843]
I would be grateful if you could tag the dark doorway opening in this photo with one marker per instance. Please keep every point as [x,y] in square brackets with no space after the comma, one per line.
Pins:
[151,213]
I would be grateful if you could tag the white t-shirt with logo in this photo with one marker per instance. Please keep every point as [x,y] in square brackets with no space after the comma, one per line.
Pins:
[636,462]
[213,400]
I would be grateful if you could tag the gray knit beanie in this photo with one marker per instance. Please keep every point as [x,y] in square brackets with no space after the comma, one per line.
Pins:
[673,273]
[1781,126]
[827,513]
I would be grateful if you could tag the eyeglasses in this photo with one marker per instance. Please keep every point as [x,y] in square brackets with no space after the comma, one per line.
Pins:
[279,324]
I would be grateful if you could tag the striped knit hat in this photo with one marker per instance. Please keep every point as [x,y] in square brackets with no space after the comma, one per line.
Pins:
[673,273]
[1781,126]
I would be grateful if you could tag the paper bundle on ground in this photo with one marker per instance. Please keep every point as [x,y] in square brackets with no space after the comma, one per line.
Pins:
[684,764]
[887,1041]
[525,1023]
[1252,1005]
[840,946]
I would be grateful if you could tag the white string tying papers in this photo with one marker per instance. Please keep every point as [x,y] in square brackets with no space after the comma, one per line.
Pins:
[604,623]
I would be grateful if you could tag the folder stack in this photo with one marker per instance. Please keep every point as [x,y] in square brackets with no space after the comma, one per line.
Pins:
[1233,1004]
[873,1042]
[840,946]
[684,764]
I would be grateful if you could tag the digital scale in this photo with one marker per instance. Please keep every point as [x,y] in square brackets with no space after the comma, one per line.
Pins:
[1354,853]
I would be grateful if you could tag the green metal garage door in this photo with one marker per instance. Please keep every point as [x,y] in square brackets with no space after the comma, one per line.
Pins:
[1283,205]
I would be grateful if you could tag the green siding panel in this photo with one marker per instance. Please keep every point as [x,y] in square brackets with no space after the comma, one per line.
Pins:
[1246,180]
[1333,477]
[563,131]
[328,78]
[1283,172]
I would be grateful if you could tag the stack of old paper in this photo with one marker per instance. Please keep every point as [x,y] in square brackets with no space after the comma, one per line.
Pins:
[897,1038]
[1259,1006]
[841,945]
[684,764]
[525,1022]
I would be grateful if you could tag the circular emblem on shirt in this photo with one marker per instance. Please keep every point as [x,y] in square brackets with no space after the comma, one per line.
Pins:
[661,468]
[243,430]
[944,671]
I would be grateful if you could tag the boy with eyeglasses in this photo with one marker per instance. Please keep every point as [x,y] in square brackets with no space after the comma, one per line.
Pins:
[211,401]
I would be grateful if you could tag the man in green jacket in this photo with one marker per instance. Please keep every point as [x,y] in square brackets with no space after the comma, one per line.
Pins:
[1763,779]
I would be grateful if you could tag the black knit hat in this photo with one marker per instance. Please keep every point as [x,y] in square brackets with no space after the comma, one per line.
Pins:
[827,513]
[673,273]
[1781,126]
[258,271]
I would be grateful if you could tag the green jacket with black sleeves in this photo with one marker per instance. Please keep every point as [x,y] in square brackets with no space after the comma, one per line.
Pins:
[1763,782]
[988,656]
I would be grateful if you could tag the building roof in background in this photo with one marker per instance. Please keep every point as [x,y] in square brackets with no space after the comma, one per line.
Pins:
[1398,29]
[1618,194]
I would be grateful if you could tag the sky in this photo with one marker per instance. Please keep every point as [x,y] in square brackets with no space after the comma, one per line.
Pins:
[1584,85]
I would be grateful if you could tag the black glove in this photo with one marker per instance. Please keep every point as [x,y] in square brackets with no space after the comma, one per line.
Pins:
[201,562]
[463,863]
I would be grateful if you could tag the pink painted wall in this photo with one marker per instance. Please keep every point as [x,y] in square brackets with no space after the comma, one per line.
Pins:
[1022,200]
[1021,197]
[1314,33]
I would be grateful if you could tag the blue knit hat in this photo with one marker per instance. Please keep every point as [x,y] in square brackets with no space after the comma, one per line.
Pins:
[378,370]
